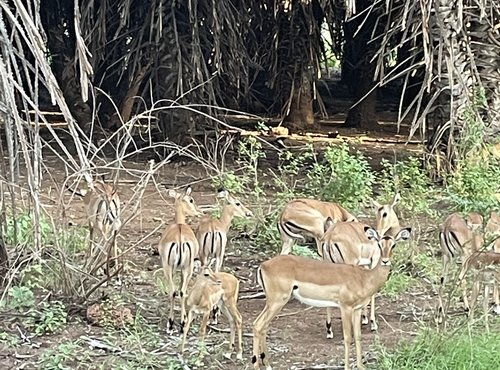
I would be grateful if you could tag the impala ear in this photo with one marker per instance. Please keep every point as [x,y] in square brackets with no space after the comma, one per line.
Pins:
[188,190]
[403,234]
[376,204]
[172,193]
[396,199]
[328,223]
[371,233]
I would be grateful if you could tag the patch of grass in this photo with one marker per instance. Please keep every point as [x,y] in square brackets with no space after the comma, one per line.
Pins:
[66,356]
[9,340]
[305,251]
[398,283]
[464,349]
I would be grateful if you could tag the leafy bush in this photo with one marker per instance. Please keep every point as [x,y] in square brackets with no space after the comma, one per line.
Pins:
[343,177]
[474,185]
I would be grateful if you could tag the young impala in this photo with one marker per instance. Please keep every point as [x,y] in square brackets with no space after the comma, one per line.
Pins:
[322,284]
[208,290]
[212,233]
[178,248]
[307,217]
[458,237]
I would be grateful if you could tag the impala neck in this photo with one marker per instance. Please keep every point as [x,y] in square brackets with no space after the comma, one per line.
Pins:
[227,216]
[180,215]
[378,276]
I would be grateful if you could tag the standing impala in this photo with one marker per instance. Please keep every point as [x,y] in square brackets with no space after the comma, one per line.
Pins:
[493,230]
[208,290]
[178,248]
[212,233]
[322,284]
[102,208]
[458,237]
[486,268]
[386,218]
[308,217]
[347,242]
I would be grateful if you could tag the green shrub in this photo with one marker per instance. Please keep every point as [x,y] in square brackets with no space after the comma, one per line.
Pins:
[343,177]
[473,186]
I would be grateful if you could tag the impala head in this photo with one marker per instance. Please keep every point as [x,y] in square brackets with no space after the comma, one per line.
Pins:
[239,209]
[474,221]
[386,216]
[186,200]
[387,243]
[208,274]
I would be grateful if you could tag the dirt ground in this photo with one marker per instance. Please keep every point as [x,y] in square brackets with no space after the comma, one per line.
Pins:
[297,339]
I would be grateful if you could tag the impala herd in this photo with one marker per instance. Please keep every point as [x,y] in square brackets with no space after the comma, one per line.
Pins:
[355,262]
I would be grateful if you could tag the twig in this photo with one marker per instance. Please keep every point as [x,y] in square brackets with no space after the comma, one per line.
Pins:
[253,296]
[219,330]
[295,312]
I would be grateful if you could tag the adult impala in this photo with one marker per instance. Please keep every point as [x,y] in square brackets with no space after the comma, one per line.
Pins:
[178,248]
[307,217]
[322,284]
[212,233]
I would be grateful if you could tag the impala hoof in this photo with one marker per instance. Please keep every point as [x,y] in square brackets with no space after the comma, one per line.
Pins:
[227,355]
[373,326]
[364,320]
[239,356]
[329,335]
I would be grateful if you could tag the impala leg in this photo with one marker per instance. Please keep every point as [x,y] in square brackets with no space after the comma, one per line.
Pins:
[186,276]
[373,320]
[318,247]
[486,306]
[168,271]
[260,328]
[203,325]
[287,240]
[346,314]
[463,284]
[356,325]
[444,274]
[235,322]
[475,294]
[189,320]
[496,297]
[329,331]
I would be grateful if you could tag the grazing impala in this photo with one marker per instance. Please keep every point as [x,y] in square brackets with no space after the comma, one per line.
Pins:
[458,237]
[486,268]
[493,230]
[308,217]
[347,242]
[212,233]
[386,219]
[210,289]
[322,284]
[178,248]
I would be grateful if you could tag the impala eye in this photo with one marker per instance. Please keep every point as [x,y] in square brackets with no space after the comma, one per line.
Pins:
[238,204]
[384,215]
[191,200]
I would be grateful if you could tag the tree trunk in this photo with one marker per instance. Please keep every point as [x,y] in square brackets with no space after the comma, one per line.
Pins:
[301,115]
[357,70]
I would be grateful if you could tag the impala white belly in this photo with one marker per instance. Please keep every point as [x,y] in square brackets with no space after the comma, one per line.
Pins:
[315,302]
